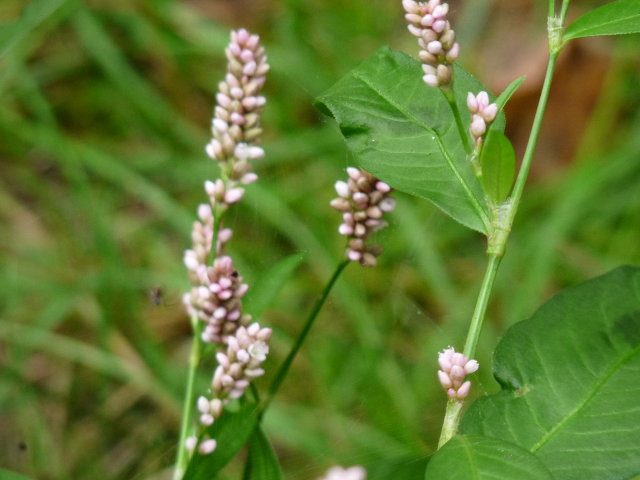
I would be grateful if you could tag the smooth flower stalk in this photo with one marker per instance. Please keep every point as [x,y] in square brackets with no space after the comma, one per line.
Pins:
[351,473]
[439,50]
[454,367]
[363,200]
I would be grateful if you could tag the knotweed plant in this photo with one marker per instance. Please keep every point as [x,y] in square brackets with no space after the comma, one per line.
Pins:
[568,405]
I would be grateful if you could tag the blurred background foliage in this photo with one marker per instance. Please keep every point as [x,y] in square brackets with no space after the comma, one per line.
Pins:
[104,111]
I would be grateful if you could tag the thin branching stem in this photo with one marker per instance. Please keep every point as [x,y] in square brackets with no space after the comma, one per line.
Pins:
[284,368]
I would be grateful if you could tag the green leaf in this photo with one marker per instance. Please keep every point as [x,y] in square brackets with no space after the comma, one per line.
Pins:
[481,458]
[264,291]
[404,132]
[232,431]
[262,462]
[616,18]
[7,475]
[498,162]
[506,94]
[570,379]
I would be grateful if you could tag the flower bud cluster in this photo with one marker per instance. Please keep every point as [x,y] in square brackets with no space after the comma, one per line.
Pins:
[351,473]
[216,299]
[363,200]
[439,49]
[482,114]
[246,350]
[236,123]
[454,367]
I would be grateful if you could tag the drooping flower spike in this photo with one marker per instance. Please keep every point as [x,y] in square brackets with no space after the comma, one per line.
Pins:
[363,200]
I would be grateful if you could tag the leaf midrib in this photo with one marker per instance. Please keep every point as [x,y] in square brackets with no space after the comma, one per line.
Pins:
[475,202]
[597,387]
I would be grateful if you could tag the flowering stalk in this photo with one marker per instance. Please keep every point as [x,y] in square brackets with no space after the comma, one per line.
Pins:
[286,365]
[214,302]
[497,247]
[363,200]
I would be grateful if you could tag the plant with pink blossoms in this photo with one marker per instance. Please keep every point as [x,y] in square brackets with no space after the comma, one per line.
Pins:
[214,302]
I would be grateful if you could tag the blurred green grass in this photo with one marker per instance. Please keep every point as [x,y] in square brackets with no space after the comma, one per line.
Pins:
[104,109]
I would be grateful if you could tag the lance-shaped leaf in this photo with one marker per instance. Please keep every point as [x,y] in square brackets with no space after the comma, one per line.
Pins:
[262,462]
[498,162]
[570,379]
[404,132]
[615,18]
[481,458]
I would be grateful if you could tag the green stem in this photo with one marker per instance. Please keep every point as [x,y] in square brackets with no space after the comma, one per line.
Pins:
[189,402]
[451,420]
[454,407]
[284,368]
[481,306]
[523,173]
[500,235]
